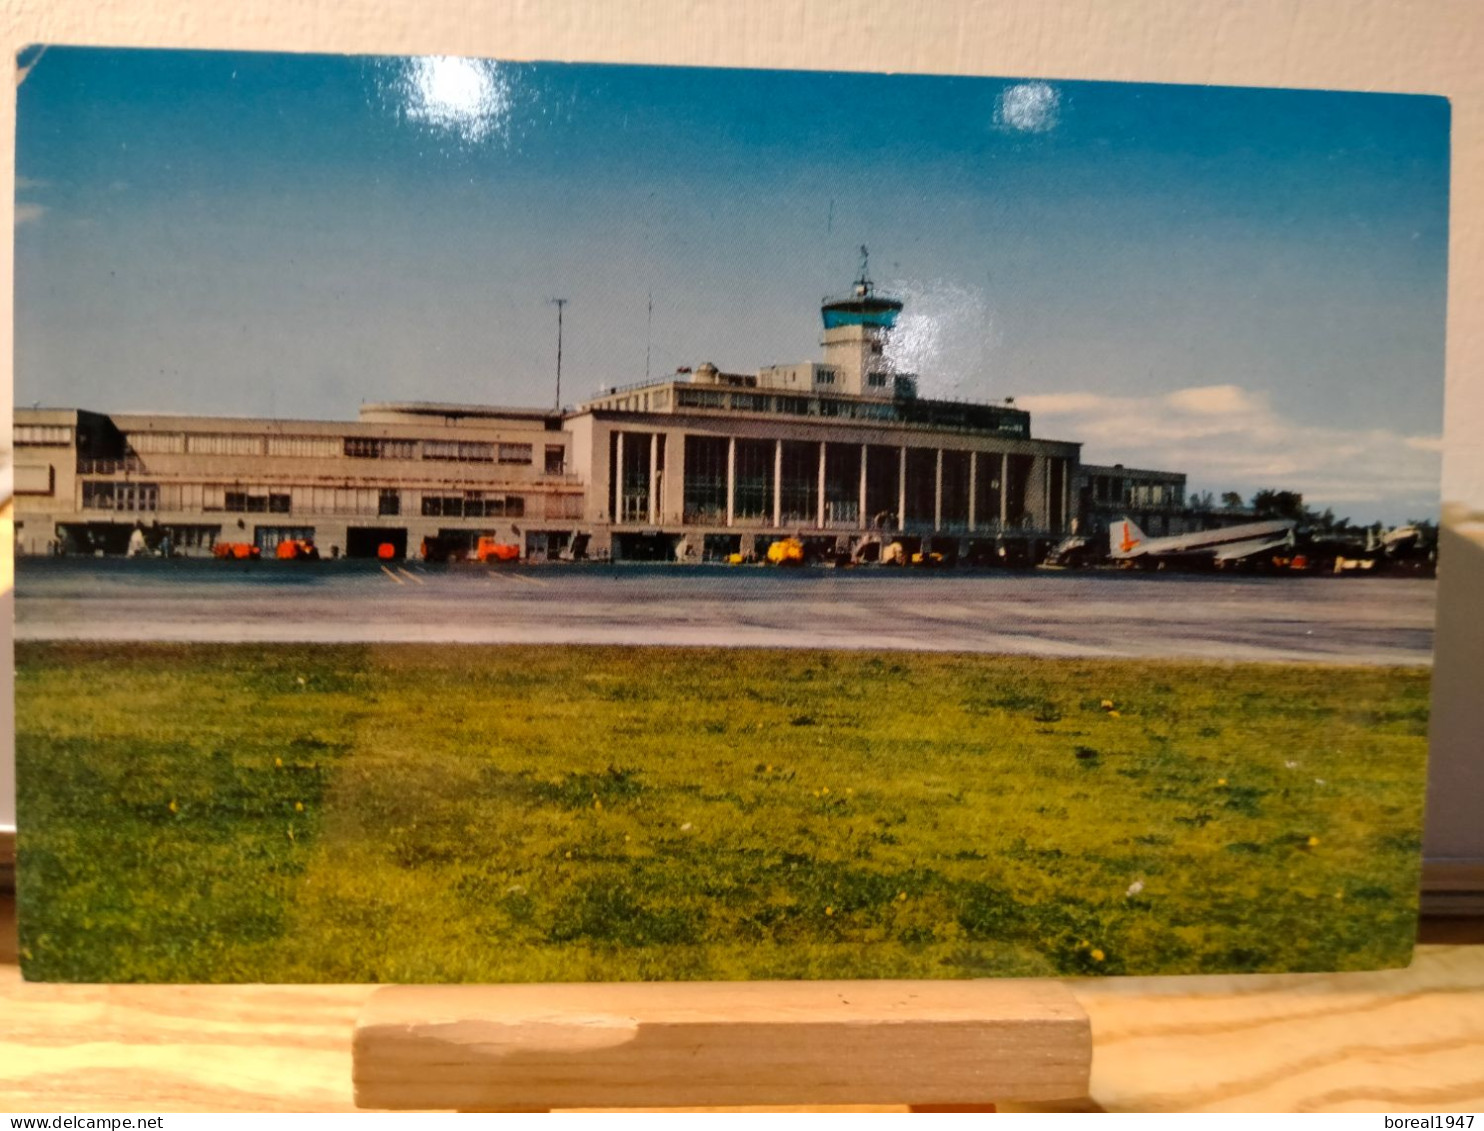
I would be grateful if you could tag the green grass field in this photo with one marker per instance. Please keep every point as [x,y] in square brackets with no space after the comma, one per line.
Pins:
[440,813]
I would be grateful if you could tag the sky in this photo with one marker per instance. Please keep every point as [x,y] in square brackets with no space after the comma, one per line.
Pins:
[1245,285]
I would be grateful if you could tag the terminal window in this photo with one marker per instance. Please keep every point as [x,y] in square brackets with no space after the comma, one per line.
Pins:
[43,434]
[224,444]
[108,496]
[373,447]
[249,503]
[459,451]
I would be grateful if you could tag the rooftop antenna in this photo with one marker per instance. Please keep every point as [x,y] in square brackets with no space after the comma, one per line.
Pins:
[559,303]
[863,284]
[648,335]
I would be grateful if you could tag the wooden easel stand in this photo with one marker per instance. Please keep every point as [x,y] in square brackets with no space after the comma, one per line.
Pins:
[720,1044]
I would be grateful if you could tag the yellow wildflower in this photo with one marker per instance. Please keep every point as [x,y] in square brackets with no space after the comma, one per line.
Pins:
[1114,715]
[174,808]
[1220,781]
[1313,842]
[902,896]
[829,910]
[298,806]
[1097,954]
[278,762]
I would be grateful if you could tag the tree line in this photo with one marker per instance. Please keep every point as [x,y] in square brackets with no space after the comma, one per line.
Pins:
[1274,503]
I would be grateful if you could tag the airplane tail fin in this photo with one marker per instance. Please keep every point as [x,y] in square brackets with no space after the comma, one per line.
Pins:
[1124,537]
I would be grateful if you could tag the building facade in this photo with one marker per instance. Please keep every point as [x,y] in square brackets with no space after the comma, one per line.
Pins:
[1153,499]
[841,453]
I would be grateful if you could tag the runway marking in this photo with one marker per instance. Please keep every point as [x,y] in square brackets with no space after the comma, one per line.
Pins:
[528,580]
[410,576]
[393,576]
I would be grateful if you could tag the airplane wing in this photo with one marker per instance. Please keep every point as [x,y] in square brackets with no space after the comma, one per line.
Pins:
[1236,551]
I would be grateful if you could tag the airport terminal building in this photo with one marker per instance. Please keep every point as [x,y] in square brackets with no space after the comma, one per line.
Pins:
[840,453]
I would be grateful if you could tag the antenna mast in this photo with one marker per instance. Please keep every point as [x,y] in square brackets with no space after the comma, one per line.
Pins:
[559,303]
[648,335]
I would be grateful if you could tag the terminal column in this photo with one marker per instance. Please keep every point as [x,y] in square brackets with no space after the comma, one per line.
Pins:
[672,479]
[902,488]
[1004,489]
[820,508]
[863,521]
[618,515]
[973,488]
[654,463]
[777,483]
[1038,494]
[731,478]
[938,492]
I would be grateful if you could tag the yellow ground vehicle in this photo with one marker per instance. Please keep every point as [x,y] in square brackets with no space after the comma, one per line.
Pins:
[786,551]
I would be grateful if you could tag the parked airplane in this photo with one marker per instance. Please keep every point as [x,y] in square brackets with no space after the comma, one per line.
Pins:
[1127,542]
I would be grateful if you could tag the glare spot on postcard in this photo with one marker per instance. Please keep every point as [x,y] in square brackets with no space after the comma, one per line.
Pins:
[1030,107]
[469,98]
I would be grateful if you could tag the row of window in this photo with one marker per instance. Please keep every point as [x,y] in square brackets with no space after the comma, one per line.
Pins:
[353,447]
[473,505]
[383,502]
[639,402]
[966,417]
[49,434]
[120,496]
[1112,489]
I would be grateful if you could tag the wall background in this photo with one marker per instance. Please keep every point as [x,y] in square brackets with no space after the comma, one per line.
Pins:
[1412,46]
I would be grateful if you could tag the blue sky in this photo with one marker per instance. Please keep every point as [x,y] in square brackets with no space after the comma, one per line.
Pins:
[1245,285]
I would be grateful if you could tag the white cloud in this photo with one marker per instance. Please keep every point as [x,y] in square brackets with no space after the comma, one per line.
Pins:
[1030,107]
[1213,400]
[28,213]
[1225,437]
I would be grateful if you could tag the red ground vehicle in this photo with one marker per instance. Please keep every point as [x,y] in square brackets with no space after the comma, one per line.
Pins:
[236,550]
[297,550]
[490,550]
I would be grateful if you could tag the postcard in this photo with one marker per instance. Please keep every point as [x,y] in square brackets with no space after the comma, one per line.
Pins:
[483,521]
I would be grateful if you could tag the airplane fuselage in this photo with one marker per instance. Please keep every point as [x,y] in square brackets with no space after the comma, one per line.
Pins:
[1127,541]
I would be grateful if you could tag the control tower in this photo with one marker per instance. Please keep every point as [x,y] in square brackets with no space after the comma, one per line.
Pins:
[856,331]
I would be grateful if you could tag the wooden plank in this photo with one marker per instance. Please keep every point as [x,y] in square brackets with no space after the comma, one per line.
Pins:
[104,1048]
[1396,1040]
[1387,1041]
[704,1044]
